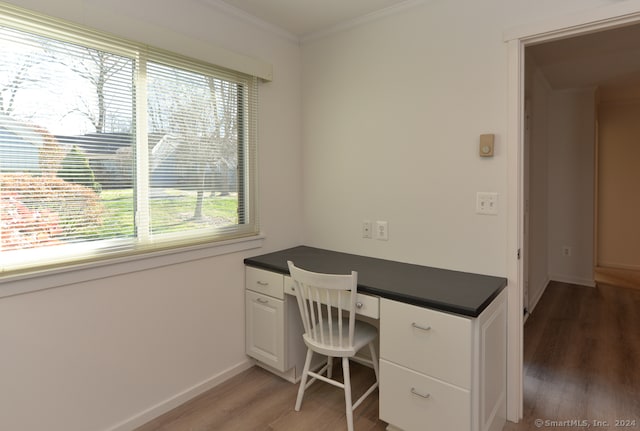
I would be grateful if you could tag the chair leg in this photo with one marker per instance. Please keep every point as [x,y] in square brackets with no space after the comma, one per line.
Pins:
[303,379]
[347,393]
[374,360]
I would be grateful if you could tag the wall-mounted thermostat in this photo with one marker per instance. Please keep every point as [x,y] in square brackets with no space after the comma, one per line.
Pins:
[486,145]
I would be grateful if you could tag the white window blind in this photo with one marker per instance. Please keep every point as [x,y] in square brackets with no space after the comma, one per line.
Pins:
[109,148]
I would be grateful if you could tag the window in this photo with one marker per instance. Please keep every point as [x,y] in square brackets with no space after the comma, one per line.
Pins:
[109,148]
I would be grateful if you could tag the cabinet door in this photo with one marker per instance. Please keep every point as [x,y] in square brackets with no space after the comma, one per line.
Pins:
[265,329]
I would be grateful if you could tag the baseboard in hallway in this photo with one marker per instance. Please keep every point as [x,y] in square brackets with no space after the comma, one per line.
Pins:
[618,277]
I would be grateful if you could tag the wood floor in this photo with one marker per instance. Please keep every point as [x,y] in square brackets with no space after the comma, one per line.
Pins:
[258,400]
[582,362]
[582,359]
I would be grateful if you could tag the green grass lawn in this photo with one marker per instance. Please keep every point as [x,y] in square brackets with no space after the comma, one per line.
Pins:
[172,210]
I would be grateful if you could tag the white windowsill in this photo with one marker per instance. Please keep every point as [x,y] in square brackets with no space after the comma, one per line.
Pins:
[31,282]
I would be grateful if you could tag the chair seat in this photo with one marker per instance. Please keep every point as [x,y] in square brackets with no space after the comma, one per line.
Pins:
[364,334]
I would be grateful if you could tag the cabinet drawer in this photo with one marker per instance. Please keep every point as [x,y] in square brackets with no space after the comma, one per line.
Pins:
[265,282]
[427,341]
[415,402]
[366,305]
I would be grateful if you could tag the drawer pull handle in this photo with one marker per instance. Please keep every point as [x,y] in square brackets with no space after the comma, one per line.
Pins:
[263,301]
[415,392]
[263,283]
[424,328]
[359,304]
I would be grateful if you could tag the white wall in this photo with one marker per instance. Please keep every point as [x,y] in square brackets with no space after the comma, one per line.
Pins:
[99,354]
[618,179]
[538,198]
[562,186]
[571,117]
[392,113]
[393,110]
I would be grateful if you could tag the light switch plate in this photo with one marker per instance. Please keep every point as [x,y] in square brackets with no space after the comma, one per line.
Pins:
[487,203]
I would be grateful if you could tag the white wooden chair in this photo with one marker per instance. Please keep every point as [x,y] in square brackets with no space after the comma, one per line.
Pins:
[324,301]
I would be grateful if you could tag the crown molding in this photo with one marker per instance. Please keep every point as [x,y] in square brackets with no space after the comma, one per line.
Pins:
[594,19]
[355,22]
[240,14]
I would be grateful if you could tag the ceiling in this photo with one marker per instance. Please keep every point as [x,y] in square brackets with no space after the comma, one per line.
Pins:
[604,59]
[305,17]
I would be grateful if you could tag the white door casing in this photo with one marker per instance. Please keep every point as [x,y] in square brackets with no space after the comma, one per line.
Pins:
[611,16]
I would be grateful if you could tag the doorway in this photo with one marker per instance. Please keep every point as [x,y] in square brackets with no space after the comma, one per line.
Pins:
[580,184]
[576,29]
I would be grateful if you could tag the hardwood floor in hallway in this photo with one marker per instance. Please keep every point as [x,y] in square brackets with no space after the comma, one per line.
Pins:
[582,363]
[582,360]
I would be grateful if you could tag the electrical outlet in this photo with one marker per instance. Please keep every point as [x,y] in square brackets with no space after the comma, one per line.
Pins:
[366,229]
[382,230]
[566,251]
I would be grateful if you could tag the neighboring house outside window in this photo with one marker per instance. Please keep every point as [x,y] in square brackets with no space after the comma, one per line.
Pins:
[108,148]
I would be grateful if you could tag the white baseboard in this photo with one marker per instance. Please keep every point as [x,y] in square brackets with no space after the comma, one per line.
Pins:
[590,282]
[180,398]
[533,301]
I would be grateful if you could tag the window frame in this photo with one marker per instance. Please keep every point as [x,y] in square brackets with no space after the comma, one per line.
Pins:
[245,234]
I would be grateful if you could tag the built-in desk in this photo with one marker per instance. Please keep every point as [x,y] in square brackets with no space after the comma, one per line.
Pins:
[442,335]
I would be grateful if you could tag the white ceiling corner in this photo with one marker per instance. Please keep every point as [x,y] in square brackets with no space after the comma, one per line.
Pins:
[301,19]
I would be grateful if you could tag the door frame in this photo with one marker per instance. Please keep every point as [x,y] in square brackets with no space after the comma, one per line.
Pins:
[517,39]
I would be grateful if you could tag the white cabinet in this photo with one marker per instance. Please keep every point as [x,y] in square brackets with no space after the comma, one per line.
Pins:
[265,329]
[438,370]
[273,334]
[442,371]
[415,401]
[265,282]
[273,330]
[427,341]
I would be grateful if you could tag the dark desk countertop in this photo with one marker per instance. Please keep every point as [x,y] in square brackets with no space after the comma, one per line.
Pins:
[452,291]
